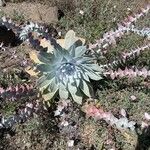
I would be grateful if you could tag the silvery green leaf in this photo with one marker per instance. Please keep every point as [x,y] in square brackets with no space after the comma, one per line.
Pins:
[63,93]
[84,75]
[71,80]
[82,60]
[40,80]
[44,67]
[58,51]
[44,84]
[49,95]
[45,57]
[44,81]
[72,50]
[79,51]
[65,81]
[77,99]
[72,88]
[75,93]
[94,76]
[94,67]
[70,39]
[77,82]
[85,88]
[52,86]
[86,69]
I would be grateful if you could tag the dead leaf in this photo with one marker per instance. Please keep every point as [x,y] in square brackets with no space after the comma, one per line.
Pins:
[34,57]
[31,72]
[69,39]
[130,137]
[46,44]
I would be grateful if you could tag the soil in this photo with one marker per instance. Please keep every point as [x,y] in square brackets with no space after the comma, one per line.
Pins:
[31,11]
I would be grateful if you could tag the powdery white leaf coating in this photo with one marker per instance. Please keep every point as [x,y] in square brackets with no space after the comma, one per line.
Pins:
[70,143]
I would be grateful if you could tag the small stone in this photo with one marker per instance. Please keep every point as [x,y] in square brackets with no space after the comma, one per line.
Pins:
[147,116]
[133,97]
[81,12]
[70,143]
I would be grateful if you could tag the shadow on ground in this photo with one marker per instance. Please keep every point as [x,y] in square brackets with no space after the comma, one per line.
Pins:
[143,142]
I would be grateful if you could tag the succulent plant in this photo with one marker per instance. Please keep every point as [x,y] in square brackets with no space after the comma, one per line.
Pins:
[67,70]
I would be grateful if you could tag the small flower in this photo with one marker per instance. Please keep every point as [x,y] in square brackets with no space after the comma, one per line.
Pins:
[133,97]
[64,123]
[115,6]
[147,116]
[81,12]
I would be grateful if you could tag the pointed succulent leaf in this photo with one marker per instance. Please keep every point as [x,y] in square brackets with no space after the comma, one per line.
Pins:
[84,75]
[45,67]
[45,57]
[63,93]
[44,84]
[84,60]
[72,88]
[44,81]
[52,86]
[70,39]
[49,95]
[94,76]
[72,50]
[80,50]
[95,67]
[77,99]
[85,88]
[78,82]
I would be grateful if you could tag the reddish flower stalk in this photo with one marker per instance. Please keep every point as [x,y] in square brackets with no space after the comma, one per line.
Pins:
[98,113]
[20,116]
[14,92]
[127,56]
[109,37]
[9,24]
[135,52]
[131,73]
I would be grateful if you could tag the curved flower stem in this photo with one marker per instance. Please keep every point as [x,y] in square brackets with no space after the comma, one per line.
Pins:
[109,38]
[126,56]
[14,92]
[20,116]
[131,73]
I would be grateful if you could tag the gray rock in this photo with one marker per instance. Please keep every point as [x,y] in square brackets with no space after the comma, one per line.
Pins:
[32,11]
[2,3]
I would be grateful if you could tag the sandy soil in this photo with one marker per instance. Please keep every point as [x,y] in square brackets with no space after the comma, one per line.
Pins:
[32,11]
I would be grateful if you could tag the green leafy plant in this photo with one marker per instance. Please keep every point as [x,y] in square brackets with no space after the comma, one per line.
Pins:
[67,70]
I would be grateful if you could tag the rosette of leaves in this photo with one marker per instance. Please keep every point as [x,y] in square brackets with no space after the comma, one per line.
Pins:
[67,71]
